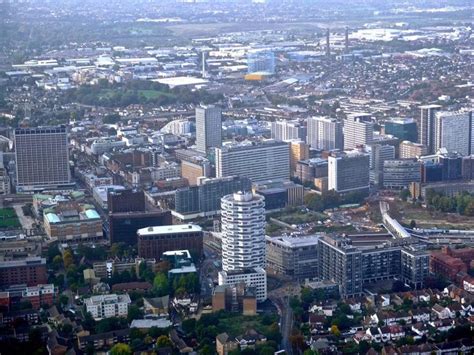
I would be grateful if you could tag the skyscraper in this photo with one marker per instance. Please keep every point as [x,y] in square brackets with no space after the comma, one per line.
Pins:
[268,160]
[378,154]
[403,128]
[454,131]
[288,130]
[426,126]
[349,172]
[325,133]
[358,130]
[42,158]
[243,241]
[208,127]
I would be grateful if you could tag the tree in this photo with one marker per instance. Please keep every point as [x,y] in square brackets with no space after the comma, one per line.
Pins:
[412,224]
[163,342]
[63,300]
[335,330]
[160,284]
[404,194]
[306,295]
[68,259]
[134,313]
[188,325]
[121,349]
[57,262]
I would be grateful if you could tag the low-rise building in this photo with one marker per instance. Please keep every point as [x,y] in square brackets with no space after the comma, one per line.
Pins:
[106,306]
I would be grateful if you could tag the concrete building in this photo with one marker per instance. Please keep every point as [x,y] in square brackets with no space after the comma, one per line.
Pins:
[243,241]
[378,154]
[260,61]
[454,131]
[398,174]
[410,150]
[299,150]
[194,169]
[107,306]
[358,130]
[296,258]
[205,198]
[415,266]
[288,130]
[42,158]
[268,160]
[310,169]
[349,172]
[426,126]
[106,269]
[5,187]
[208,128]
[325,133]
[467,167]
[154,241]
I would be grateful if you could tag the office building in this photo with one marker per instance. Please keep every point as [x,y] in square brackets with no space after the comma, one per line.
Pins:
[107,306]
[243,241]
[325,133]
[358,130]
[279,194]
[268,160]
[404,129]
[398,174]
[378,154]
[296,258]
[467,167]
[454,131]
[30,271]
[205,198]
[308,170]
[42,158]
[426,126]
[451,166]
[120,201]
[349,172]
[122,227]
[4,181]
[70,222]
[208,128]
[154,241]
[261,61]
[410,150]
[194,169]
[288,130]
[299,150]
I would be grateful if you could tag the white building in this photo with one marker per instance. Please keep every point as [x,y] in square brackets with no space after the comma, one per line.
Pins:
[107,306]
[104,145]
[426,126]
[349,172]
[358,130]
[325,133]
[454,131]
[243,241]
[243,231]
[268,160]
[288,130]
[208,128]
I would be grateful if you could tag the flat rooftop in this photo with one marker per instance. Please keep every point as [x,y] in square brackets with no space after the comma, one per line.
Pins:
[179,228]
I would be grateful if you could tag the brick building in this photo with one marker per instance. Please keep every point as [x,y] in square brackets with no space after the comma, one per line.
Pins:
[449,262]
[30,271]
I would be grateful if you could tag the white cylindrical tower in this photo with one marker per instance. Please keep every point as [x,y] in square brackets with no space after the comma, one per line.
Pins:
[243,232]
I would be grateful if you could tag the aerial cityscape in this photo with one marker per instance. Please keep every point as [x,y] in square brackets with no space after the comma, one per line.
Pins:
[236,177]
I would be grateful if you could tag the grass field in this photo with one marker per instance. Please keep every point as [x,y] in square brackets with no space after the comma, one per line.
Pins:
[237,325]
[149,94]
[8,218]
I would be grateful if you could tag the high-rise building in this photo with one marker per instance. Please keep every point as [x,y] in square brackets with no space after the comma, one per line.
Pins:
[208,128]
[30,271]
[426,126]
[325,133]
[467,167]
[261,61]
[409,150]
[402,128]
[451,165]
[349,172]
[398,174]
[298,151]
[268,160]
[454,131]
[358,130]
[378,154]
[42,158]
[204,199]
[415,266]
[288,130]
[195,168]
[243,241]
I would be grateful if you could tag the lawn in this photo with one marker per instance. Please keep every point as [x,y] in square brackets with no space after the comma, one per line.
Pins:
[239,324]
[8,218]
